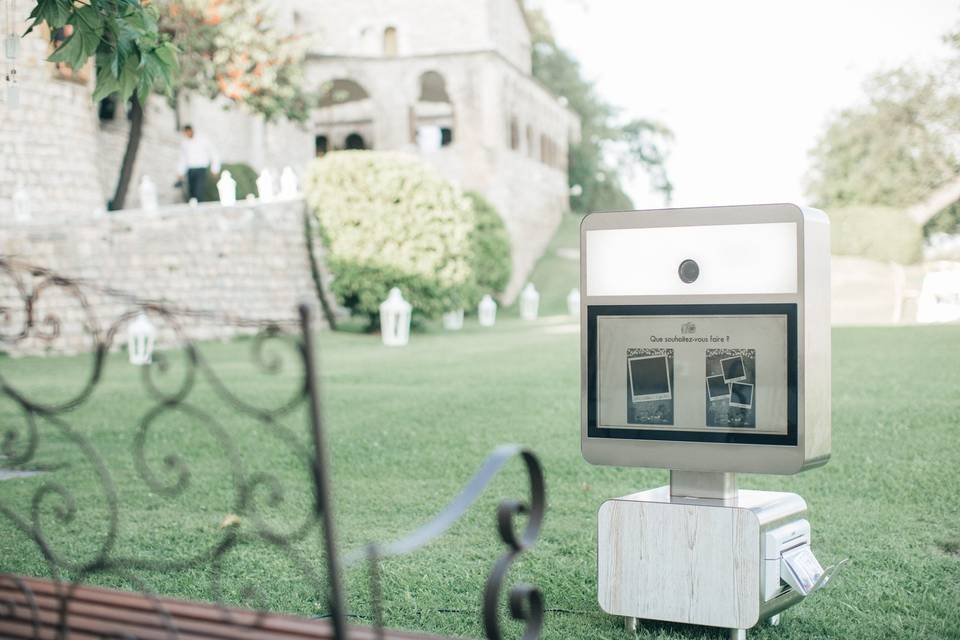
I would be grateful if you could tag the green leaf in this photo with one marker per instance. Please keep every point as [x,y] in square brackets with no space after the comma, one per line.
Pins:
[88,25]
[128,77]
[70,52]
[106,84]
[56,13]
[167,53]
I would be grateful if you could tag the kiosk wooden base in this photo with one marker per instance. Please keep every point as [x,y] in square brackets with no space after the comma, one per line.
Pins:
[709,561]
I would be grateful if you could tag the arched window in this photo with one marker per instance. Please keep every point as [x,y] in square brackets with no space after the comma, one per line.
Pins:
[321,145]
[340,91]
[433,109]
[433,88]
[514,133]
[390,42]
[354,141]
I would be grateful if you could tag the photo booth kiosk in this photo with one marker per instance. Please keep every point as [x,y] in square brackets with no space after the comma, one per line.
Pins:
[705,337]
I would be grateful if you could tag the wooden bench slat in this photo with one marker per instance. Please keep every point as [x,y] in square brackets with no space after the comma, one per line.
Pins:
[95,612]
[154,620]
[16,629]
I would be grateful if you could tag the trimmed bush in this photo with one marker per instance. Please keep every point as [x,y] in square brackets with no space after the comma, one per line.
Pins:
[388,220]
[880,233]
[490,250]
[245,176]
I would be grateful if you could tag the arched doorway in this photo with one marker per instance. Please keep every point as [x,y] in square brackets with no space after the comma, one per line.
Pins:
[344,109]
[354,142]
[433,108]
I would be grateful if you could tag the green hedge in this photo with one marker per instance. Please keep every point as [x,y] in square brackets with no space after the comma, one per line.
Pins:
[490,250]
[245,176]
[388,220]
[880,233]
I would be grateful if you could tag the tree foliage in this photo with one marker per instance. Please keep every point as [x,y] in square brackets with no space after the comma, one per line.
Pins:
[234,49]
[609,149]
[876,232]
[490,251]
[131,54]
[897,147]
[893,150]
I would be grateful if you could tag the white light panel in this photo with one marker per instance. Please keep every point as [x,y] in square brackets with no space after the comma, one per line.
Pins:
[733,259]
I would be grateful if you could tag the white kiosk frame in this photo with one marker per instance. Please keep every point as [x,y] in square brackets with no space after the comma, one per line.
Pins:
[699,551]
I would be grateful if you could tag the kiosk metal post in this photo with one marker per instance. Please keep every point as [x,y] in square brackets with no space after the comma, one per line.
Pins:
[705,337]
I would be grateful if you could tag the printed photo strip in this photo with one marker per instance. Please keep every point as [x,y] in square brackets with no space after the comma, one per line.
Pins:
[650,386]
[730,385]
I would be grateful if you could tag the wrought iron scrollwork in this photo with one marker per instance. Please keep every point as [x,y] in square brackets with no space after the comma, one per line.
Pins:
[169,382]
[525,601]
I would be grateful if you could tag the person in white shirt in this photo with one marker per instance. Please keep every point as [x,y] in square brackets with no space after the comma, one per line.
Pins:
[197,159]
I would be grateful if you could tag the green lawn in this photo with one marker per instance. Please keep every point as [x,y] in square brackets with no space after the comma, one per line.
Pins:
[409,426]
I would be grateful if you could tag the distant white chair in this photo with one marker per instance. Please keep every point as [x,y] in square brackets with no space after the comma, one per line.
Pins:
[429,138]
[939,299]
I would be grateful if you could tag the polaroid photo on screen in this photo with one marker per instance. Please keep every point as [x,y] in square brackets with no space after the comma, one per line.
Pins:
[717,388]
[741,395]
[733,369]
[649,378]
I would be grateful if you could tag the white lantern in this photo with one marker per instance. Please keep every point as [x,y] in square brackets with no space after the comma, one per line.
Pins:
[265,186]
[140,338]
[22,209]
[529,302]
[289,186]
[573,302]
[227,188]
[148,194]
[11,46]
[487,311]
[395,319]
[453,320]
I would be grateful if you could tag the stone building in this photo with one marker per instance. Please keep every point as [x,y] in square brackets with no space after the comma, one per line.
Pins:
[453,75]
[396,71]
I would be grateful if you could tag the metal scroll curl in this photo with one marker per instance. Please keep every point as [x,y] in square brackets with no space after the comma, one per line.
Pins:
[37,306]
[525,601]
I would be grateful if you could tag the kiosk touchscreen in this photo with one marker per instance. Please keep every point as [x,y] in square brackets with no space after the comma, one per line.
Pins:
[705,337]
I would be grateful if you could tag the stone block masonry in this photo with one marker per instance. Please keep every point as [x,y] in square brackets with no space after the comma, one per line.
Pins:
[226,265]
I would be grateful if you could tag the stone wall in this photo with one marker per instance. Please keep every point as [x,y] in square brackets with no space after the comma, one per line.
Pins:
[45,143]
[225,265]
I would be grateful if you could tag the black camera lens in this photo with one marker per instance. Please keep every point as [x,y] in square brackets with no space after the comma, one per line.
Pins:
[689,270]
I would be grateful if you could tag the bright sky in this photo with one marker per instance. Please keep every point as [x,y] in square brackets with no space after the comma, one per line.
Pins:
[746,85]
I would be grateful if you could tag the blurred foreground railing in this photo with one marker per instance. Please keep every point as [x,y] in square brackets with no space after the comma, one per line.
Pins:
[60,607]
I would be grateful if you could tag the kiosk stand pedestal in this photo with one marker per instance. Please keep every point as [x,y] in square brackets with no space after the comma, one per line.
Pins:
[705,349]
[700,552]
